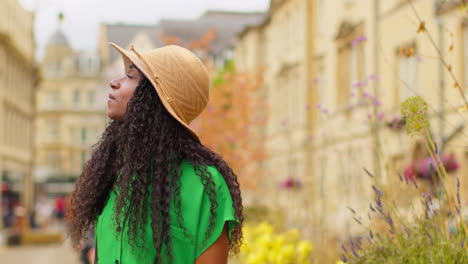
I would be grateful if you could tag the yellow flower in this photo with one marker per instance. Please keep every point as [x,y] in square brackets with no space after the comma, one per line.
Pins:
[304,248]
[263,246]
[293,235]
[415,111]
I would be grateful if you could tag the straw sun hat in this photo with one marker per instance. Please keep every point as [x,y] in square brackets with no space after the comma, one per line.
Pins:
[179,77]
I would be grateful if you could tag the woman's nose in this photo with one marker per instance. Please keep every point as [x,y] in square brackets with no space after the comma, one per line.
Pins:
[114,84]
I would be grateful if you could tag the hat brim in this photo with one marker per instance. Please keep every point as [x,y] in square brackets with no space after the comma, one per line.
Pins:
[130,58]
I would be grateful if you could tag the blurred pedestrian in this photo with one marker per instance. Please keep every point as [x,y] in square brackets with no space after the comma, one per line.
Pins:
[155,192]
[44,210]
[59,207]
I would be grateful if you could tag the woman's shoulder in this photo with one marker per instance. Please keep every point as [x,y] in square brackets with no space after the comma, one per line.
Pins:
[188,175]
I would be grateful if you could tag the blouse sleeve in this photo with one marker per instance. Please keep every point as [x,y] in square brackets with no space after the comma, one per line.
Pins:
[225,214]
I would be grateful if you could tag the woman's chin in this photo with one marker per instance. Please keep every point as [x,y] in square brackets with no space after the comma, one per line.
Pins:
[112,115]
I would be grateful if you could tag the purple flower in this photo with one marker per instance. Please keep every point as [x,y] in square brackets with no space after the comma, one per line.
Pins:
[418,58]
[319,106]
[377,102]
[361,38]
[373,77]
[366,94]
[425,168]
[380,116]
[357,40]
[325,111]
[357,84]
[350,107]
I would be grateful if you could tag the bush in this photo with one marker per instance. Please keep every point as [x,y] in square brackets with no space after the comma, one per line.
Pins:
[263,246]
[436,237]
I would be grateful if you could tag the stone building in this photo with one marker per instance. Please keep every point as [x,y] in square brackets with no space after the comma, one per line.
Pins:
[18,78]
[71,112]
[336,74]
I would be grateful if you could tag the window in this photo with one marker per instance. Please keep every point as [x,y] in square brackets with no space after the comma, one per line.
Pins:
[83,135]
[407,76]
[52,98]
[55,69]
[90,65]
[72,160]
[91,97]
[83,158]
[77,63]
[319,16]
[350,70]
[53,160]
[73,133]
[76,97]
[52,128]
[407,70]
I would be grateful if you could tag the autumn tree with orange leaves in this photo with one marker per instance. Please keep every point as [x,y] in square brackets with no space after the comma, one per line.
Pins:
[234,120]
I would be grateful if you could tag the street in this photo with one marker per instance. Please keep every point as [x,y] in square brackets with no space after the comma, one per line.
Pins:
[47,254]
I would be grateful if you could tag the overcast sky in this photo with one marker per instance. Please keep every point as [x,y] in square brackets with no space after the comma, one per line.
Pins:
[82,17]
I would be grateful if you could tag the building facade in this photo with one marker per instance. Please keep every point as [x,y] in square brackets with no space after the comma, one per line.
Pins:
[370,58]
[280,47]
[71,112]
[18,78]
[335,91]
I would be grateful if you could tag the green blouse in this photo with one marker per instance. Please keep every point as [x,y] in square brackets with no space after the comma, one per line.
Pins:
[113,247]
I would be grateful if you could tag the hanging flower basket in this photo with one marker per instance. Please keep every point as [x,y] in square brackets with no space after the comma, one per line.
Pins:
[290,183]
[427,170]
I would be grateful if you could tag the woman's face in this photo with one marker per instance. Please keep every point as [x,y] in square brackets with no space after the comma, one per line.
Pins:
[122,91]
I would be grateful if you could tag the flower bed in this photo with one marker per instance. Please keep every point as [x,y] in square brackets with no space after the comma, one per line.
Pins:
[263,246]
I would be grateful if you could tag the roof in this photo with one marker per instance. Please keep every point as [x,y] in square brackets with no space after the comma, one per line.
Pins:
[58,38]
[122,34]
[227,24]
[257,24]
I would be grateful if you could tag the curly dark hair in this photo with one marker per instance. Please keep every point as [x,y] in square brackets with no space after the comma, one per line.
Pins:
[147,137]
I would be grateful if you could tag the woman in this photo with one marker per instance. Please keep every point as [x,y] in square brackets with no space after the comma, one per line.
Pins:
[155,193]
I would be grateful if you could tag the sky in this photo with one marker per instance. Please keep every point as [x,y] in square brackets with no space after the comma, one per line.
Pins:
[82,17]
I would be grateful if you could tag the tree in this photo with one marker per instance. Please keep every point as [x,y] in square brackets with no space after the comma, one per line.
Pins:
[234,120]
[233,123]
